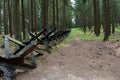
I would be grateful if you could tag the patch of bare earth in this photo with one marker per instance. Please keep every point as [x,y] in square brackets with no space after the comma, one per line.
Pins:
[81,60]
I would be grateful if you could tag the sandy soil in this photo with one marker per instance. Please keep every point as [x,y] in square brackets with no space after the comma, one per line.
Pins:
[80,60]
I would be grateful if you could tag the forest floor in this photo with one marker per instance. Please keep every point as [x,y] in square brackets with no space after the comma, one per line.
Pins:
[79,60]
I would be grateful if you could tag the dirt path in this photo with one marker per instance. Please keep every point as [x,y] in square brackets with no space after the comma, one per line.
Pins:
[80,60]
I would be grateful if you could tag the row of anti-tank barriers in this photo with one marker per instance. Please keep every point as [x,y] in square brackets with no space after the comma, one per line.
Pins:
[16,60]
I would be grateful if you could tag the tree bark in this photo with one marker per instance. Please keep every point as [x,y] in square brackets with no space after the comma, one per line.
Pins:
[96,17]
[16,19]
[54,14]
[57,14]
[106,24]
[0,23]
[23,20]
[10,17]
[5,18]
[44,13]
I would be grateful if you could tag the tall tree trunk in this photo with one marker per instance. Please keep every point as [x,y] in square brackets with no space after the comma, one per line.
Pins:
[63,14]
[28,30]
[16,19]
[31,15]
[113,16]
[10,17]
[84,17]
[5,18]
[106,23]
[57,14]
[109,17]
[60,19]
[44,13]
[96,17]
[23,20]
[35,14]
[54,14]
[0,17]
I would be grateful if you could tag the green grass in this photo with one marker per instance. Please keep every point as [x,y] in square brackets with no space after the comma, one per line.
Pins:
[117,29]
[1,38]
[76,32]
[88,36]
